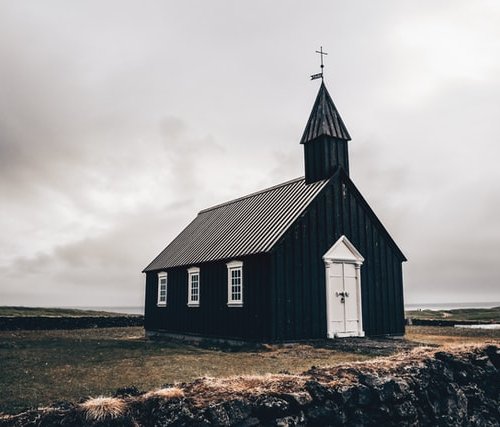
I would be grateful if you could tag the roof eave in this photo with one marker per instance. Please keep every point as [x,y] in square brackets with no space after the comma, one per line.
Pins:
[306,141]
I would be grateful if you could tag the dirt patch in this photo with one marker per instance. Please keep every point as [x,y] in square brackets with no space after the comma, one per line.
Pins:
[369,346]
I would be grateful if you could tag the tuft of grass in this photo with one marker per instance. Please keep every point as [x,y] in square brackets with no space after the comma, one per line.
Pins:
[165,393]
[210,389]
[103,408]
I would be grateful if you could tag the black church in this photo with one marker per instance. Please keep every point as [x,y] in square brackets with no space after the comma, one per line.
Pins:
[305,259]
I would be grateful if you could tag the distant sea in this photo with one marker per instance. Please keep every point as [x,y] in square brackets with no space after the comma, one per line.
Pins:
[423,306]
[451,305]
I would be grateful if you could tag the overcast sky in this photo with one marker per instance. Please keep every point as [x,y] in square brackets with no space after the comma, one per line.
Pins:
[120,120]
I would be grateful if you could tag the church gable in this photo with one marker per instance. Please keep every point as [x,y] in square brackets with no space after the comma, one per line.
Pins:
[299,264]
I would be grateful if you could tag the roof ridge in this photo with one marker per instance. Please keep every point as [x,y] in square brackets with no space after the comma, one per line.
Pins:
[265,190]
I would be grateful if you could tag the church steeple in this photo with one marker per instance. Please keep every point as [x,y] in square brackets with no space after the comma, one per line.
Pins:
[325,139]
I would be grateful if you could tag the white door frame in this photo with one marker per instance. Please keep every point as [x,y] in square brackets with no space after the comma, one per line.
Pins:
[338,254]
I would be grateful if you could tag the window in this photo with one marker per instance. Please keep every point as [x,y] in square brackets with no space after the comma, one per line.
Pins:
[193,287]
[162,289]
[235,284]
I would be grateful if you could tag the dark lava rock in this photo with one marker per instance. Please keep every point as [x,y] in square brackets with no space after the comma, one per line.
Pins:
[364,395]
[318,391]
[131,391]
[328,413]
[291,421]
[173,413]
[233,412]
[344,394]
[406,410]
[493,352]
[298,400]
[249,422]
[389,391]
[217,415]
[268,407]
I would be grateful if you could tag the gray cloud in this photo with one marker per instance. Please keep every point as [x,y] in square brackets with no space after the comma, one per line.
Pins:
[119,122]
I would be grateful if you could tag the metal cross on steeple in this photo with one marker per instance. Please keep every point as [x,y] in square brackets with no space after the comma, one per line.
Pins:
[320,75]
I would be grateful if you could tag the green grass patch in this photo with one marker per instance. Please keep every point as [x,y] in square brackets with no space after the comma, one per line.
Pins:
[472,314]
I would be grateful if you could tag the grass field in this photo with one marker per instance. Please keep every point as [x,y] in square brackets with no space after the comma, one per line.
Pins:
[40,367]
[476,314]
[37,367]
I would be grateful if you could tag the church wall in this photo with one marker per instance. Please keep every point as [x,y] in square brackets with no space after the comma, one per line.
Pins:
[299,272]
[213,318]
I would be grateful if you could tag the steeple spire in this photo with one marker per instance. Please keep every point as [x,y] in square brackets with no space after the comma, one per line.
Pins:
[324,119]
[324,139]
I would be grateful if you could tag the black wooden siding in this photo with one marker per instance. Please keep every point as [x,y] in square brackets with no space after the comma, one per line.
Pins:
[322,156]
[299,300]
[213,318]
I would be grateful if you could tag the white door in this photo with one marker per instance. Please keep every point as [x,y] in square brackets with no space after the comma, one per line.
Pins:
[343,290]
[344,296]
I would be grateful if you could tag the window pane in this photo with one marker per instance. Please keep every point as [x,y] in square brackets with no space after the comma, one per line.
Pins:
[236,284]
[194,279]
[162,289]
[163,292]
[235,290]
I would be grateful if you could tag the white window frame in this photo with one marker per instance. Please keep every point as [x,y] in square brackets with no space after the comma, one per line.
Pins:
[232,267]
[192,272]
[162,302]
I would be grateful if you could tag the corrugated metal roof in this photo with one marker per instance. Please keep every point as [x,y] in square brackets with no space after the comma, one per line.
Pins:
[248,225]
[324,119]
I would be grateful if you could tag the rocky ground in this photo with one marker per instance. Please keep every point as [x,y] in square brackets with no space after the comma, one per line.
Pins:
[436,387]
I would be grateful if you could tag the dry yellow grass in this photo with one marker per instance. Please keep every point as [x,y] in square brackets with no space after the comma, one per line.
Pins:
[165,393]
[444,335]
[101,408]
[210,390]
[221,389]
